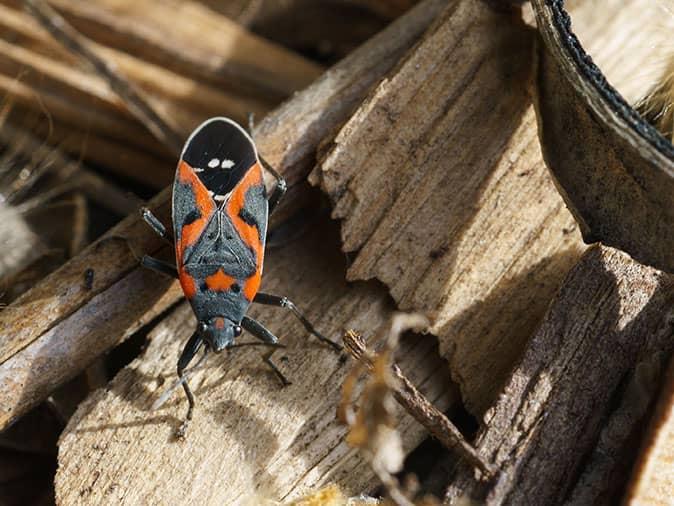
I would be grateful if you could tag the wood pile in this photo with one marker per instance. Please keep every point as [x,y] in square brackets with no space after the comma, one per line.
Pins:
[538,369]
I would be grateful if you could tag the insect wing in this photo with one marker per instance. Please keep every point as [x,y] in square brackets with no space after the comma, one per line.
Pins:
[221,153]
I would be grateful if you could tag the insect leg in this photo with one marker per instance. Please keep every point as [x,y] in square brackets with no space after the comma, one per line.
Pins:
[156,225]
[275,300]
[159,266]
[259,331]
[279,189]
[191,349]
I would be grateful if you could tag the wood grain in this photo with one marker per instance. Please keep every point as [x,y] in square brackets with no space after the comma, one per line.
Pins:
[442,191]
[562,429]
[249,435]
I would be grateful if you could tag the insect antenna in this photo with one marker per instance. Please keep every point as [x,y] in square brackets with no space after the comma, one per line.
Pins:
[169,391]
[186,375]
[270,345]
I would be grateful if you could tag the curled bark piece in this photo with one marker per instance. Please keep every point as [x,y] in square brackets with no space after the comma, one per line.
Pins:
[614,170]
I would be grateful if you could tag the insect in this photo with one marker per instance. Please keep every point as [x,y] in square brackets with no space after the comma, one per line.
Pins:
[220,213]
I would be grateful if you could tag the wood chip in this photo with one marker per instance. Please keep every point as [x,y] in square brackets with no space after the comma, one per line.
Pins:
[249,435]
[441,188]
[653,481]
[548,429]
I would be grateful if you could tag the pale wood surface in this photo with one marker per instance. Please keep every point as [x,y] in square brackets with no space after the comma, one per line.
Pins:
[30,324]
[249,434]
[653,481]
[564,423]
[441,188]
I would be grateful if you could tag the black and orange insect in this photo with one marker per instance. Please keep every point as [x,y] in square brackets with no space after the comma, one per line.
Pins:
[220,212]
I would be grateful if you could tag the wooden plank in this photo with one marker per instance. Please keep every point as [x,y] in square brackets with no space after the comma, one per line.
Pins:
[442,191]
[562,430]
[288,139]
[249,434]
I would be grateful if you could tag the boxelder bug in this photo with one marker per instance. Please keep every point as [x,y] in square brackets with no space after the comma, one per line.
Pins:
[220,211]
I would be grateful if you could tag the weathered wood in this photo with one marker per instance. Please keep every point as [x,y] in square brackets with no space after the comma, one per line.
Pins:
[561,427]
[288,139]
[441,188]
[302,123]
[249,435]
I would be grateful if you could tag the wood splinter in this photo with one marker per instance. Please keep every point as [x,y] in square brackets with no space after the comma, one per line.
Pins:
[417,405]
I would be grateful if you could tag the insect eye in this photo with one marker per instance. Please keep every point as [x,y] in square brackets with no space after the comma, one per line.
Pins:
[203,327]
[236,287]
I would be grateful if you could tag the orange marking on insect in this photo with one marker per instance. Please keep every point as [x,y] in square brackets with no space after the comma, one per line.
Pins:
[190,233]
[248,233]
[188,284]
[219,323]
[252,285]
[219,282]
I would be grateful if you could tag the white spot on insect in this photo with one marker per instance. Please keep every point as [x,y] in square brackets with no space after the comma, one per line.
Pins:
[227,164]
[196,169]
[210,193]
[214,163]
[220,198]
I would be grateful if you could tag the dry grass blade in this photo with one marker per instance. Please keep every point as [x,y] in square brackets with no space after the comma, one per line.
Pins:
[138,106]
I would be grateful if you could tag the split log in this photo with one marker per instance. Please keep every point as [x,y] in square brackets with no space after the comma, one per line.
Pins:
[562,430]
[60,313]
[440,184]
[249,435]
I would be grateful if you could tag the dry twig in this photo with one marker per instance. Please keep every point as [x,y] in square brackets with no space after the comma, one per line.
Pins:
[372,428]
[410,398]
